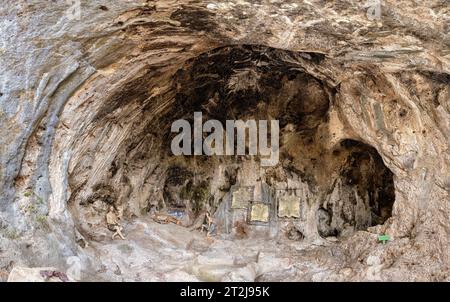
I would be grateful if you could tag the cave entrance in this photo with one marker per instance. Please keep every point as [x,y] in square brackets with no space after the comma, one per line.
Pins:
[349,186]
[362,196]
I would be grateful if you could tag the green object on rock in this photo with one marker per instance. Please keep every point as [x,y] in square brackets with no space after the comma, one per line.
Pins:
[384,238]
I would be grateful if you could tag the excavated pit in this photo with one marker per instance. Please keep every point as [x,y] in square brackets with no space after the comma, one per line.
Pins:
[125,158]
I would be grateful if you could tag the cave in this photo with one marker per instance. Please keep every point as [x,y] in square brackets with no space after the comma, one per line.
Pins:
[142,176]
[332,163]
[366,185]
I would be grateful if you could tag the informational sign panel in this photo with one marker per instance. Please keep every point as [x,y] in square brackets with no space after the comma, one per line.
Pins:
[241,198]
[259,212]
[288,204]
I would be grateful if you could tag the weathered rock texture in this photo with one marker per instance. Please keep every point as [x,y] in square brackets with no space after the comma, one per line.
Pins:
[364,107]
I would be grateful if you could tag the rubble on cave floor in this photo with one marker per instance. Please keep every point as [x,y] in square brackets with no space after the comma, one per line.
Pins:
[169,252]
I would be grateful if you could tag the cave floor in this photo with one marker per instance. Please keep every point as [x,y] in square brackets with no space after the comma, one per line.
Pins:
[168,252]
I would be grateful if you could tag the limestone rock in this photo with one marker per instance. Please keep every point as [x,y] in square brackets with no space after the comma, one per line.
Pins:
[88,96]
[37,274]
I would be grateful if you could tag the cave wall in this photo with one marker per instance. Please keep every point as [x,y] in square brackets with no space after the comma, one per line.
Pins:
[124,157]
[75,93]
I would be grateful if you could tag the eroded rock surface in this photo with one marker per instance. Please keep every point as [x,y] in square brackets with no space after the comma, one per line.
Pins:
[86,106]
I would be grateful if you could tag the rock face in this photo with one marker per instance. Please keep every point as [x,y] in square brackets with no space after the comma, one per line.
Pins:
[24,274]
[88,95]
